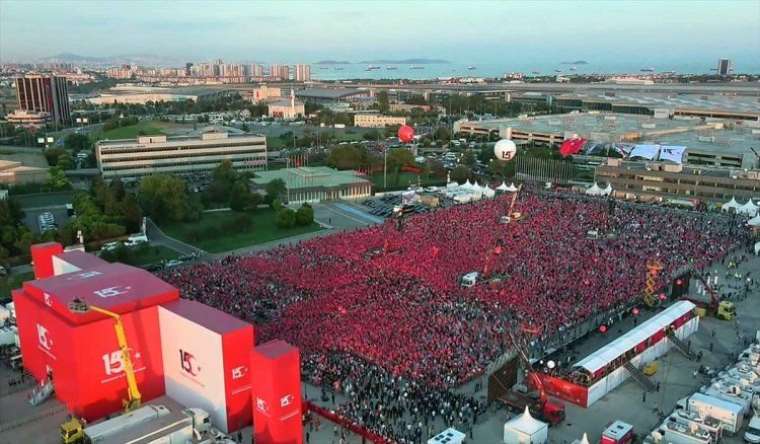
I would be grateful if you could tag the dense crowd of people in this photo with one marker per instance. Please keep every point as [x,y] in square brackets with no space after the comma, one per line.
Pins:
[391,300]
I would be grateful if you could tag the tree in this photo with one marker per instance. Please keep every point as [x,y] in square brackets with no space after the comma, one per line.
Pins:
[305,215]
[224,177]
[286,218]
[442,133]
[65,161]
[77,142]
[348,157]
[58,179]
[382,101]
[468,159]
[164,198]
[460,174]
[240,196]
[399,158]
[275,189]
[132,214]
[486,153]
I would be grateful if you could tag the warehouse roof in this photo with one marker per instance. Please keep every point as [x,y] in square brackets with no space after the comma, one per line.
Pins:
[328,93]
[310,177]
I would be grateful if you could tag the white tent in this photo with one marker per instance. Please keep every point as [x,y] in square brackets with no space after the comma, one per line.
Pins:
[467,185]
[730,204]
[503,187]
[594,190]
[749,208]
[754,222]
[583,440]
[525,429]
[489,192]
[757,248]
[512,188]
[452,185]
[607,190]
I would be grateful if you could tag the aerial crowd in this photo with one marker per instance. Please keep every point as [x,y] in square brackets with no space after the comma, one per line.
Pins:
[391,298]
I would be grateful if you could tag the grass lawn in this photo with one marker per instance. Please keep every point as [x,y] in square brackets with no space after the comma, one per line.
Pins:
[214,234]
[12,282]
[151,255]
[403,180]
[149,127]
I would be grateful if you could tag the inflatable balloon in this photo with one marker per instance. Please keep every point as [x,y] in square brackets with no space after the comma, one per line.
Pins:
[505,150]
[406,134]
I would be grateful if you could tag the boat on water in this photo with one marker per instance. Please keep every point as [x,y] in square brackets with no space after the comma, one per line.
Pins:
[647,69]
[573,68]
[391,67]
[535,72]
[338,68]
[372,67]
[471,68]
[416,67]
[323,67]
[557,70]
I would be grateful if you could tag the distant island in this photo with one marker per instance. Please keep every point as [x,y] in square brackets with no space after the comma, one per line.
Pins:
[407,61]
[577,62]
[333,62]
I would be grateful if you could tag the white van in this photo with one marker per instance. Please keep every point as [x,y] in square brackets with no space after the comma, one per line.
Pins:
[752,434]
[469,279]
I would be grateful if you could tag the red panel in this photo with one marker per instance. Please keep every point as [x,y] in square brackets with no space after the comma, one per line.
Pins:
[116,287]
[276,394]
[46,345]
[101,382]
[571,392]
[237,378]
[81,260]
[42,258]
[209,317]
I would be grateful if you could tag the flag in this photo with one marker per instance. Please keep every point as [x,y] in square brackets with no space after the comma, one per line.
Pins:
[571,146]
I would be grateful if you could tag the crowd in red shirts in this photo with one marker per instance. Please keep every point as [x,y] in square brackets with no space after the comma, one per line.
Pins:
[393,297]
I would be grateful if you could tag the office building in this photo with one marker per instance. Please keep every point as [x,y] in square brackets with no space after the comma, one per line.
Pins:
[44,94]
[29,119]
[316,184]
[303,73]
[377,120]
[279,72]
[659,181]
[264,93]
[724,67]
[180,155]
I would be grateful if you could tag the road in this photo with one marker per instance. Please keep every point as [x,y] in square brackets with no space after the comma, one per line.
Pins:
[157,237]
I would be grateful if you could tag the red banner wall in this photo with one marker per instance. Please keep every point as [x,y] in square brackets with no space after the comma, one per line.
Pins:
[276,393]
[566,390]
[42,258]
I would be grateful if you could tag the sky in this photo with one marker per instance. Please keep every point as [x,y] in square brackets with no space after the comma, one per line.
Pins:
[605,32]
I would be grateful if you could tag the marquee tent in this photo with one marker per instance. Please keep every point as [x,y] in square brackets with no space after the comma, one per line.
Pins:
[730,204]
[749,208]
[525,429]
[594,190]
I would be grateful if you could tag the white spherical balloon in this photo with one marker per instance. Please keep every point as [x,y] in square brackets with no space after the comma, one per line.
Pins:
[505,150]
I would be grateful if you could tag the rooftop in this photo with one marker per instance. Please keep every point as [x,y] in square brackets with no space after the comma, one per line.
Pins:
[208,135]
[327,93]
[309,177]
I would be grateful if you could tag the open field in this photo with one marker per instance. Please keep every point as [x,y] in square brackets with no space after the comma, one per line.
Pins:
[28,156]
[403,180]
[214,232]
[147,127]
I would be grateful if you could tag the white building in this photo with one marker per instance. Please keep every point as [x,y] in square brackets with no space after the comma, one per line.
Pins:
[286,109]
[180,155]
[377,120]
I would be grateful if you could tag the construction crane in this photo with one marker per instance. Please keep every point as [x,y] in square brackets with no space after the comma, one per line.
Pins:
[654,267]
[536,399]
[511,214]
[725,310]
[72,428]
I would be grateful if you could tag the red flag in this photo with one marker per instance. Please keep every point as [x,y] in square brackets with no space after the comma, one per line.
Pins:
[571,146]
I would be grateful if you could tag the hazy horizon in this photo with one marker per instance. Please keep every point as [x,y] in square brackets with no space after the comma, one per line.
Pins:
[605,33]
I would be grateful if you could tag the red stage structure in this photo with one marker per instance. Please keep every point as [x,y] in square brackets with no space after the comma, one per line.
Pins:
[276,393]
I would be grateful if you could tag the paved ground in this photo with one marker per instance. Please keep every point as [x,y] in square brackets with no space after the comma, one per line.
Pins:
[157,237]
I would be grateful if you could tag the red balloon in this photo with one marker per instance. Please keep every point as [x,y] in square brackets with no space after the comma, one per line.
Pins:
[635,311]
[603,328]
[406,134]
[662,296]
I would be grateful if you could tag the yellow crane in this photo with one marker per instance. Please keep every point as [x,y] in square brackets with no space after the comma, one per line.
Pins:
[72,431]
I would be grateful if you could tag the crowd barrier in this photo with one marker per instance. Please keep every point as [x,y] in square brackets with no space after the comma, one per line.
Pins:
[346,423]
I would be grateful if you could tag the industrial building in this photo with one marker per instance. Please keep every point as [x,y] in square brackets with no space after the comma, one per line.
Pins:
[316,184]
[180,155]
[327,95]
[46,96]
[660,181]
[144,94]
[366,120]
[16,173]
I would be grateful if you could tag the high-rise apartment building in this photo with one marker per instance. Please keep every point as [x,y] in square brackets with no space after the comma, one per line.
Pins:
[279,72]
[303,73]
[44,94]
[724,67]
